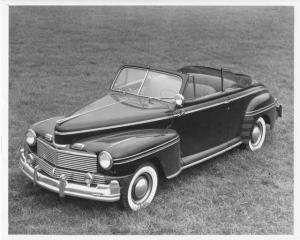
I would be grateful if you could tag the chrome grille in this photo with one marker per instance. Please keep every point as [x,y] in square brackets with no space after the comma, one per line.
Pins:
[71,175]
[70,160]
[45,152]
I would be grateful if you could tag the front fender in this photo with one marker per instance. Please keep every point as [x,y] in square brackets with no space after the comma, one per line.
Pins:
[128,149]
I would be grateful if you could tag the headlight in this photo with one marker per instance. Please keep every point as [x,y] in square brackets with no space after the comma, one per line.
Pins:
[31,137]
[105,160]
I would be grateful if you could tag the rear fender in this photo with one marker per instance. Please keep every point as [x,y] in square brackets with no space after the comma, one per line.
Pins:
[263,105]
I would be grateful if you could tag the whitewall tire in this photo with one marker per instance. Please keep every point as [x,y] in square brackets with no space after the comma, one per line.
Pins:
[258,135]
[141,189]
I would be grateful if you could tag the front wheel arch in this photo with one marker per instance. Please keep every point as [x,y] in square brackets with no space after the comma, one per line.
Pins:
[127,200]
[160,170]
[267,119]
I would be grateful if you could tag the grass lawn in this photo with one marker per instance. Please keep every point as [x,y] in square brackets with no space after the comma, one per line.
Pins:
[63,57]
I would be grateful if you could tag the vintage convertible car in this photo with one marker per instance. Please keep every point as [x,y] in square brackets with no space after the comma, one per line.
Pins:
[152,122]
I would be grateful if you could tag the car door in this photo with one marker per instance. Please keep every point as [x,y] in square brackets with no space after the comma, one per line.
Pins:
[203,121]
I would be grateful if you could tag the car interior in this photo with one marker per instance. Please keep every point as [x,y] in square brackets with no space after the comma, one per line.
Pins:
[201,85]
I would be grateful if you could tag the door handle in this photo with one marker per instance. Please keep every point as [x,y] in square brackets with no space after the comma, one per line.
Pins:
[228,104]
[179,113]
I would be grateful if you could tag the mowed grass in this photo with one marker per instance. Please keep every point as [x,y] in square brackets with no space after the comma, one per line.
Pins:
[63,57]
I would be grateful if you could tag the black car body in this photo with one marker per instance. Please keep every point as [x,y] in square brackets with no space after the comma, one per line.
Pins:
[191,115]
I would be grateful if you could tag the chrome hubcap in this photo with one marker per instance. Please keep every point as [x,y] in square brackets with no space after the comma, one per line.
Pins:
[141,187]
[256,134]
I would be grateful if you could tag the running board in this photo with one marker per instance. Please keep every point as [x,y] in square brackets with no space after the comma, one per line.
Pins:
[210,153]
[197,158]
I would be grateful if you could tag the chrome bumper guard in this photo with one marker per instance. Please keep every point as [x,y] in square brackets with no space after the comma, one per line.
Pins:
[278,108]
[279,111]
[102,192]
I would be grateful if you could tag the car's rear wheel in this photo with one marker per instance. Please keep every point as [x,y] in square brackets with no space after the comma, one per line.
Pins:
[141,189]
[258,135]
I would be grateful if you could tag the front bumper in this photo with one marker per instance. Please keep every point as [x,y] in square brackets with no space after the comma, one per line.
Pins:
[102,192]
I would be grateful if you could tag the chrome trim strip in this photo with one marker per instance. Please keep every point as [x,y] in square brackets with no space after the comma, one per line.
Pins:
[114,126]
[102,192]
[68,152]
[251,113]
[124,140]
[45,120]
[233,99]
[203,160]
[146,154]
[223,102]
[150,149]
[209,106]
[211,156]
[175,174]
[59,145]
[155,119]
[63,120]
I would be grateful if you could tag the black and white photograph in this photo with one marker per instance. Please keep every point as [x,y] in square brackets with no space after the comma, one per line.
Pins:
[150,119]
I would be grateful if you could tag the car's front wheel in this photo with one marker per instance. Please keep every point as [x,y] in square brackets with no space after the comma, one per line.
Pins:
[258,135]
[141,189]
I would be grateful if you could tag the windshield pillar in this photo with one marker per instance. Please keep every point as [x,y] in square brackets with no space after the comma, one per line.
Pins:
[138,93]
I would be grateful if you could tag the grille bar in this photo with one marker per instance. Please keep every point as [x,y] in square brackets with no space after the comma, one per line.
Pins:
[72,160]
[71,175]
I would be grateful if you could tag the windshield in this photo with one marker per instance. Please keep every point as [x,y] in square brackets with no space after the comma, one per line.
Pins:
[147,83]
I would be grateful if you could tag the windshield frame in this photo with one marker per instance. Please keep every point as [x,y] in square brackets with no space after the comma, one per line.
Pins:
[148,69]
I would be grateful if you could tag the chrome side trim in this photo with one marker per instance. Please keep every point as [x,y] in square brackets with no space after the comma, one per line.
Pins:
[211,156]
[175,174]
[148,150]
[203,108]
[124,140]
[259,90]
[155,119]
[252,113]
[203,160]
[223,102]
[146,154]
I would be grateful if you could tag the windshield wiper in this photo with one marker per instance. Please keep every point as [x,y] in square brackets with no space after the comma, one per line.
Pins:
[120,90]
[165,98]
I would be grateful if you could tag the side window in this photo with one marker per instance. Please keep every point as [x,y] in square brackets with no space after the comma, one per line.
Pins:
[189,92]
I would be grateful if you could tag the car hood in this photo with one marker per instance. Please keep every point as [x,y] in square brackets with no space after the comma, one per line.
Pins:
[113,110]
